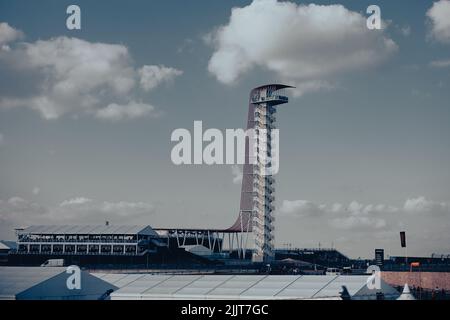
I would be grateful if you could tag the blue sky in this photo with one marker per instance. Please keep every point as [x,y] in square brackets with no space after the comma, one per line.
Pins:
[364,139]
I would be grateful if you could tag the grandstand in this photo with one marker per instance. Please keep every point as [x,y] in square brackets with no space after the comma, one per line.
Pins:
[136,245]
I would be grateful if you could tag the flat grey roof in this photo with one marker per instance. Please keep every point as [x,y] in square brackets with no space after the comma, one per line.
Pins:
[48,283]
[89,229]
[14,280]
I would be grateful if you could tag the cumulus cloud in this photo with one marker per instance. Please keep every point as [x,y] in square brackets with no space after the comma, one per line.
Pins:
[356,215]
[8,34]
[438,16]
[301,44]
[354,208]
[132,110]
[75,201]
[353,215]
[18,212]
[405,31]
[65,75]
[75,74]
[423,205]
[301,208]
[302,87]
[351,222]
[18,202]
[122,209]
[152,76]
[237,174]
[440,63]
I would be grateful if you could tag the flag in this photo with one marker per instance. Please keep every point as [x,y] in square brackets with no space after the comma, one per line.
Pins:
[403,239]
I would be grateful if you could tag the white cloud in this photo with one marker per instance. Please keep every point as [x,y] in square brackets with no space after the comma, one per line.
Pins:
[355,208]
[187,46]
[358,216]
[301,208]
[302,87]
[36,191]
[423,205]
[75,201]
[17,202]
[237,174]
[77,77]
[308,208]
[440,63]
[8,34]
[152,76]
[124,208]
[405,31]
[83,205]
[17,212]
[352,222]
[300,43]
[132,110]
[438,16]
[86,210]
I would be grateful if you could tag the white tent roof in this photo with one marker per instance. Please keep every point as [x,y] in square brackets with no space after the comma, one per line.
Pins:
[406,294]
[133,286]
[49,283]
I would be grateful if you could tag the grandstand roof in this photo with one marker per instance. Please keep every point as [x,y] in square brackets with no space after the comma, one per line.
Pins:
[89,229]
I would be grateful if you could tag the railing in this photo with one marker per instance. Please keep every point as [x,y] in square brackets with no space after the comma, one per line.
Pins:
[79,253]
[269,98]
[73,241]
[422,268]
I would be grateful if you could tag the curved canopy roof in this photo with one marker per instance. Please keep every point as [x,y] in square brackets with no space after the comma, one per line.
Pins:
[276,85]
